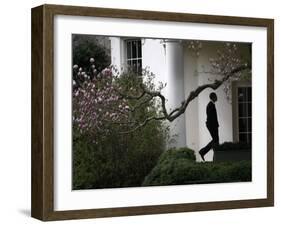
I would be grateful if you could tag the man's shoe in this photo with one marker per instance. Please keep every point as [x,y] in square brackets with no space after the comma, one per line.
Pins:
[202,156]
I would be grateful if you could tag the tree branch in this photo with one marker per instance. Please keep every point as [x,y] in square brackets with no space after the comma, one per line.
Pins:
[175,113]
[147,120]
[139,105]
[193,94]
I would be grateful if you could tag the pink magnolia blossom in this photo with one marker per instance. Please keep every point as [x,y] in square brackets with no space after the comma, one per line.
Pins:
[97,103]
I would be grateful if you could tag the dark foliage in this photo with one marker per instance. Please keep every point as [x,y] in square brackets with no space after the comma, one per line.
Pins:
[88,46]
[118,159]
[180,168]
[175,154]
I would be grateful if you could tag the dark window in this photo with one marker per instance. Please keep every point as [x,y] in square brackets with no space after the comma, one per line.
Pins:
[245,114]
[134,55]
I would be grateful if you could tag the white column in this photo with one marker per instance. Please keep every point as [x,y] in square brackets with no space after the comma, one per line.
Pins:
[175,88]
[116,53]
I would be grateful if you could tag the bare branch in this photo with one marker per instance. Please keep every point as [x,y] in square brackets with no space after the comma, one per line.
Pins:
[147,120]
[193,94]
[130,97]
[139,105]
[175,113]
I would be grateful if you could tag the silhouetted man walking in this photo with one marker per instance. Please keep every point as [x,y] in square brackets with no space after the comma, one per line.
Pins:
[212,125]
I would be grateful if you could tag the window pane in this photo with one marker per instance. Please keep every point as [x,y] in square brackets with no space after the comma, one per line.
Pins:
[129,62]
[245,114]
[129,48]
[134,63]
[242,110]
[139,65]
[139,49]
[249,109]
[249,138]
[249,94]
[134,52]
[242,94]
[243,137]
[134,48]
[242,125]
[249,125]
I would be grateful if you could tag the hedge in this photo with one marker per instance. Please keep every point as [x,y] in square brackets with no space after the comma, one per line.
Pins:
[178,166]
[180,153]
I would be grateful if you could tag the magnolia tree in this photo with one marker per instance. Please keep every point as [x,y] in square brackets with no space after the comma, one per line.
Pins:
[107,100]
[97,105]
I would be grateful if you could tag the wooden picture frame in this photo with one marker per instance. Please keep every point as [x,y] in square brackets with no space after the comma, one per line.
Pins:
[42,203]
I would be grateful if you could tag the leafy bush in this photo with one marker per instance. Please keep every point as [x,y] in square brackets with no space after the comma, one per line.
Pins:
[107,158]
[233,146]
[175,168]
[116,161]
[175,154]
[88,46]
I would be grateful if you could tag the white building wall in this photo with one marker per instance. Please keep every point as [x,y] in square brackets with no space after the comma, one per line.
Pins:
[177,66]
[116,54]
[197,133]
[154,59]
[175,86]
[165,60]
[191,113]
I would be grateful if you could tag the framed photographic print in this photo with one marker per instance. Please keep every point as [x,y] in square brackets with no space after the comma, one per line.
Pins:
[141,112]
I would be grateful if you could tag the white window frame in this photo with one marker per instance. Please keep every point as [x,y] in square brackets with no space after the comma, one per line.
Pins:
[235,113]
[125,57]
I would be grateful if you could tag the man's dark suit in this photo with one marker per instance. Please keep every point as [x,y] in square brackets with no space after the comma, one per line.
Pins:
[213,127]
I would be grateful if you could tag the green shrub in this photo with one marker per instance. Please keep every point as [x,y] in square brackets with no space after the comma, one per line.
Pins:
[179,153]
[119,160]
[86,47]
[175,168]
